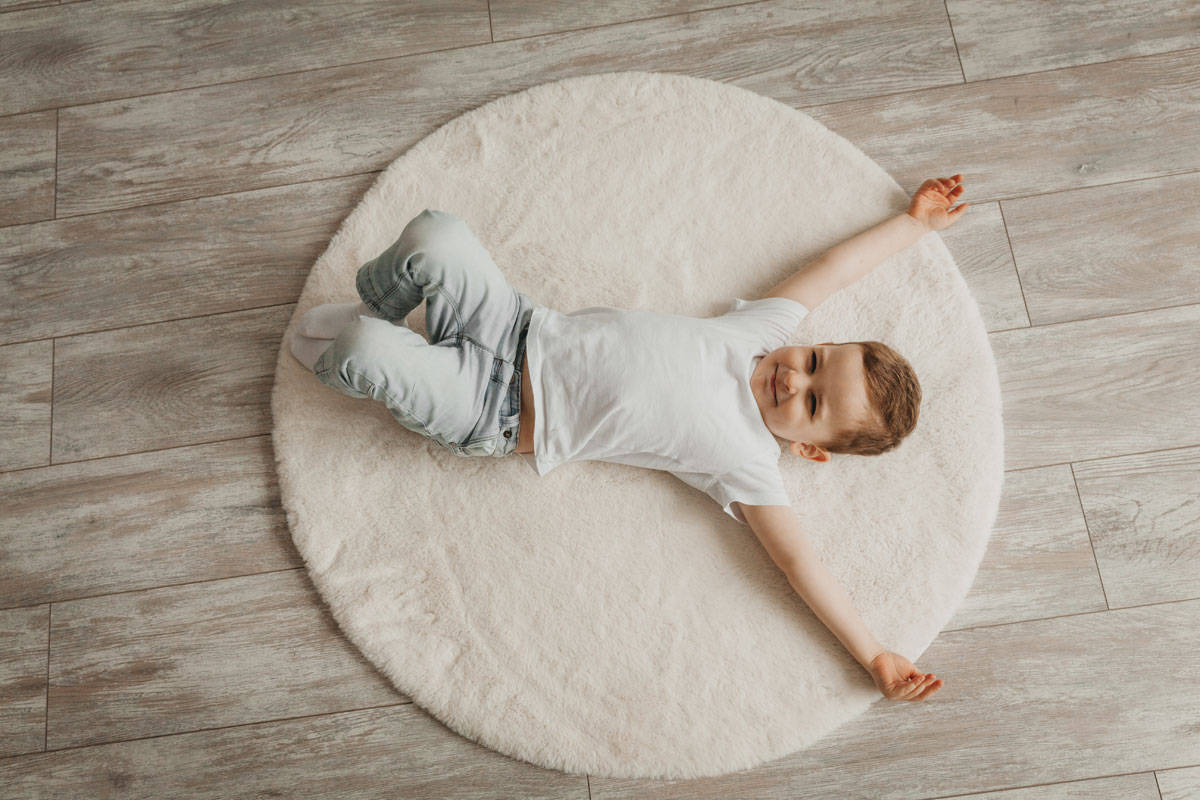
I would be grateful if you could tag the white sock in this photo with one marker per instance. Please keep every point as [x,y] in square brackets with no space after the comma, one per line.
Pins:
[307,350]
[327,320]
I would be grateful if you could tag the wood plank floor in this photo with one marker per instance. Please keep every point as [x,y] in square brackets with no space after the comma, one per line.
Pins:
[169,171]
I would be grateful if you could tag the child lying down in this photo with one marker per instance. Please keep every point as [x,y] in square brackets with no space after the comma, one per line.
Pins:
[704,399]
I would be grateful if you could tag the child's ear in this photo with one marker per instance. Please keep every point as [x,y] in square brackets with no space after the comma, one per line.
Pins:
[810,451]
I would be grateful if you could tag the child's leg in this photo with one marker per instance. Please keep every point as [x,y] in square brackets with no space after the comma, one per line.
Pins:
[431,390]
[439,259]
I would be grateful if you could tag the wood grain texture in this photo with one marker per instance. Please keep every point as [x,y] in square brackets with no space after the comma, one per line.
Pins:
[27,172]
[512,19]
[201,655]
[1143,512]
[25,410]
[1035,134]
[984,258]
[164,385]
[153,519]
[25,633]
[393,752]
[1100,387]
[1039,562]
[1141,249]
[171,261]
[16,5]
[345,120]
[122,49]
[997,39]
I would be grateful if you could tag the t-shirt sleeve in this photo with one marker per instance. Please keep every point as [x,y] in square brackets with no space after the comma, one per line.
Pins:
[756,484]
[770,321]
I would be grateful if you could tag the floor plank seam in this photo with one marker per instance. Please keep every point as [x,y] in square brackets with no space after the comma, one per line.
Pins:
[1088,529]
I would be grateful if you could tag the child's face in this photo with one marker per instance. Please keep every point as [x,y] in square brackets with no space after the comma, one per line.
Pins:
[837,388]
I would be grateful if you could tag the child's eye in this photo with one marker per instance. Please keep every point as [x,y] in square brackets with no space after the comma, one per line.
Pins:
[814,404]
[814,360]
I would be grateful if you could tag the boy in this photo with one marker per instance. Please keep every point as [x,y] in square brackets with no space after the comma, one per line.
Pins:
[703,399]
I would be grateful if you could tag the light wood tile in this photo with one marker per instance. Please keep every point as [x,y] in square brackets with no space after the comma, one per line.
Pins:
[27,173]
[1143,514]
[25,377]
[983,256]
[1139,786]
[1099,387]
[16,5]
[202,655]
[122,49]
[140,521]
[155,263]
[1179,784]
[1034,134]
[346,120]
[166,385]
[996,39]
[512,19]
[395,752]
[1039,562]
[1108,249]
[1035,702]
[24,633]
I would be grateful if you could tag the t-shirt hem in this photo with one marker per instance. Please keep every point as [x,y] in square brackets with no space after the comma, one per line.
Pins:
[533,357]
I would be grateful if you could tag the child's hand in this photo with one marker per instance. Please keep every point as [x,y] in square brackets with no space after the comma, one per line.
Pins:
[898,679]
[931,200]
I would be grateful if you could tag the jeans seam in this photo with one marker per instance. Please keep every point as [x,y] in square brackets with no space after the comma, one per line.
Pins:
[391,397]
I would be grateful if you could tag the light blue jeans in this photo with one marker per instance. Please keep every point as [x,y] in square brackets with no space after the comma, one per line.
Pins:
[462,388]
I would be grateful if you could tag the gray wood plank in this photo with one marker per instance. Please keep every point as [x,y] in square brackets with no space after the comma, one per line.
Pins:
[141,521]
[1099,387]
[982,253]
[1139,786]
[1179,784]
[1035,702]
[512,19]
[346,120]
[110,50]
[395,752]
[997,39]
[1034,134]
[155,263]
[25,378]
[165,385]
[1039,561]
[16,5]
[25,633]
[27,173]
[1144,516]
[201,655]
[1108,249]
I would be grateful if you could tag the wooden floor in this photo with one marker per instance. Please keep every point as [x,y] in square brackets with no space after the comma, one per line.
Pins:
[170,170]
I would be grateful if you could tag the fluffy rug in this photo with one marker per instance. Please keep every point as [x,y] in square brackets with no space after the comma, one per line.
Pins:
[605,618]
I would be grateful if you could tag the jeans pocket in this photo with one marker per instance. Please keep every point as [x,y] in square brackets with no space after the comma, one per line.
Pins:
[475,447]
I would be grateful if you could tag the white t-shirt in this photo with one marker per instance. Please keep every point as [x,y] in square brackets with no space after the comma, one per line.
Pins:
[662,391]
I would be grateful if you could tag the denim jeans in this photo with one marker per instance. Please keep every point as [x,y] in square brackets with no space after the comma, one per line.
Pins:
[462,388]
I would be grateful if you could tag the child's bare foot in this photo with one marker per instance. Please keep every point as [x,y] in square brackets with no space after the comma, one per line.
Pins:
[327,320]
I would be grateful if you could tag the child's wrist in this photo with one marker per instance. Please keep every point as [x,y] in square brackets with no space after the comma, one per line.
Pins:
[921,224]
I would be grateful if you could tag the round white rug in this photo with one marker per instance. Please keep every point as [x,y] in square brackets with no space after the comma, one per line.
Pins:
[606,618]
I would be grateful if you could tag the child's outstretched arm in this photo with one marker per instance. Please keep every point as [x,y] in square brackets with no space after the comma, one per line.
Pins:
[846,262]
[778,528]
